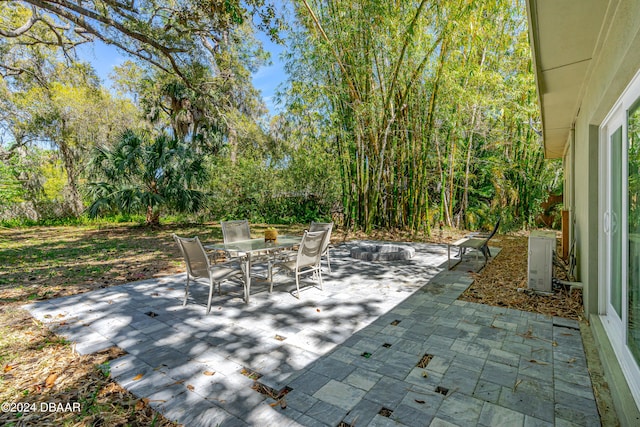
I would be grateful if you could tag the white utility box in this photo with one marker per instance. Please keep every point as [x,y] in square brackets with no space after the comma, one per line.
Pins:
[541,247]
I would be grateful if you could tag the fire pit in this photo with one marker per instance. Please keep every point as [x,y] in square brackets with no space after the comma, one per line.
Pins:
[382,252]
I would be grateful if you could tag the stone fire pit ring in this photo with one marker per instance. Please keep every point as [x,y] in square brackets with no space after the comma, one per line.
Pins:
[385,252]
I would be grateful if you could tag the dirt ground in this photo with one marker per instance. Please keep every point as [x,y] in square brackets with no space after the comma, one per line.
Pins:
[42,263]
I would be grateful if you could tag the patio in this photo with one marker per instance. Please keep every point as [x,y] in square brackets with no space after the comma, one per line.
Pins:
[385,343]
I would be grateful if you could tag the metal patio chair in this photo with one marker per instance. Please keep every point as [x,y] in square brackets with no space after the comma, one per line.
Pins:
[306,261]
[235,231]
[326,245]
[199,267]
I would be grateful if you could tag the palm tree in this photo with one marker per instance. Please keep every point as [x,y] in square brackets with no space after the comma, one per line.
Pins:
[144,173]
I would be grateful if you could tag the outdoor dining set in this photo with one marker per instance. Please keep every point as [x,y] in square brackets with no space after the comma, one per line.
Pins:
[293,254]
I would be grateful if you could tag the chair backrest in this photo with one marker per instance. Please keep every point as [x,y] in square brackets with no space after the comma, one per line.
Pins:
[194,255]
[323,226]
[235,231]
[310,249]
[495,229]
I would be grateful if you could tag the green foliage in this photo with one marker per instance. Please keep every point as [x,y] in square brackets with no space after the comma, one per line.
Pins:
[146,174]
[271,194]
[11,190]
[59,105]
[33,186]
[162,33]
[633,185]
[427,107]
[82,220]
[399,114]
[213,106]
[104,369]
[54,180]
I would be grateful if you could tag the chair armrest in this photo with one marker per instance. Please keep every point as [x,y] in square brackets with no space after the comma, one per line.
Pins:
[285,255]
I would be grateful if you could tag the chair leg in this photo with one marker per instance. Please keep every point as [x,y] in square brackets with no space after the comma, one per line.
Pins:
[320,277]
[186,291]
[211,285]
[328,261]
[298,283]
[486,253]
[270,277]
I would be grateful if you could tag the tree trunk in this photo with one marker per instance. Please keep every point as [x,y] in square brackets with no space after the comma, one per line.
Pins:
[465,195]
[153,217]
[72,194]
[233,144]
[451,190]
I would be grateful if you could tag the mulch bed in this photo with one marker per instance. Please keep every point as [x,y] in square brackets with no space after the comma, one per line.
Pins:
[503,283]
[36,366]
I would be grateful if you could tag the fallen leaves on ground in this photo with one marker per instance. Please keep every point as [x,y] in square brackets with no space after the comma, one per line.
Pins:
[49,372]
[30,353]
[51,380]
[497,284]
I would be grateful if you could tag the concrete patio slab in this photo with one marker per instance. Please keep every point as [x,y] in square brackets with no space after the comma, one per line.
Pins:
[385,343]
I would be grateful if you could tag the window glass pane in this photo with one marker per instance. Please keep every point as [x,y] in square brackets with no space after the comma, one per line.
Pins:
[633,272]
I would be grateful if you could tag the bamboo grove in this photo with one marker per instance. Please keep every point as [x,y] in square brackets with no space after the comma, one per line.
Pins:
[431,108]
[407,114]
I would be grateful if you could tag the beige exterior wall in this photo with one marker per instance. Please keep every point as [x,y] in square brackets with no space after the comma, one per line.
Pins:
[616,62]
[585,212]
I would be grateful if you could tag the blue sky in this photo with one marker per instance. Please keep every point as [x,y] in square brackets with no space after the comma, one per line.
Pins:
[104,57]
[269,77]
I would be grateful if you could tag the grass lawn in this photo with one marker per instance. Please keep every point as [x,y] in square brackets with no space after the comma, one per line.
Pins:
[38,367]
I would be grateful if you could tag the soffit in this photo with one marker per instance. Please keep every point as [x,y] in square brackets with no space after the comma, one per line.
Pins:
[564,36]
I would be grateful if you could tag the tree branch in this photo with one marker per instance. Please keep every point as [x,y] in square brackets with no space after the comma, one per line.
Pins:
[77,15]
[316,21]
[24,27]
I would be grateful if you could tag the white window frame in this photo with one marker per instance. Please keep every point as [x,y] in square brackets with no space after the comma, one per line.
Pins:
[616,332]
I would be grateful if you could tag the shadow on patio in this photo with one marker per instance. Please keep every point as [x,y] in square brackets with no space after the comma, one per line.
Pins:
[384,343]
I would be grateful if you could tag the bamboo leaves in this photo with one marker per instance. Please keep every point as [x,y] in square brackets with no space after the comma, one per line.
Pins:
[428,101]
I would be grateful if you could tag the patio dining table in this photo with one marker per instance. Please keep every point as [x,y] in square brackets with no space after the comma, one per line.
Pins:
[248,250]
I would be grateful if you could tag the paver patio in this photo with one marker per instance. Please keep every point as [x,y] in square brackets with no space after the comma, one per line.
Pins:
[385,343]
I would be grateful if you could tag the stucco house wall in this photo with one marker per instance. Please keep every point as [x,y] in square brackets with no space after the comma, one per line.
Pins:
[614,64]
[617,60]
